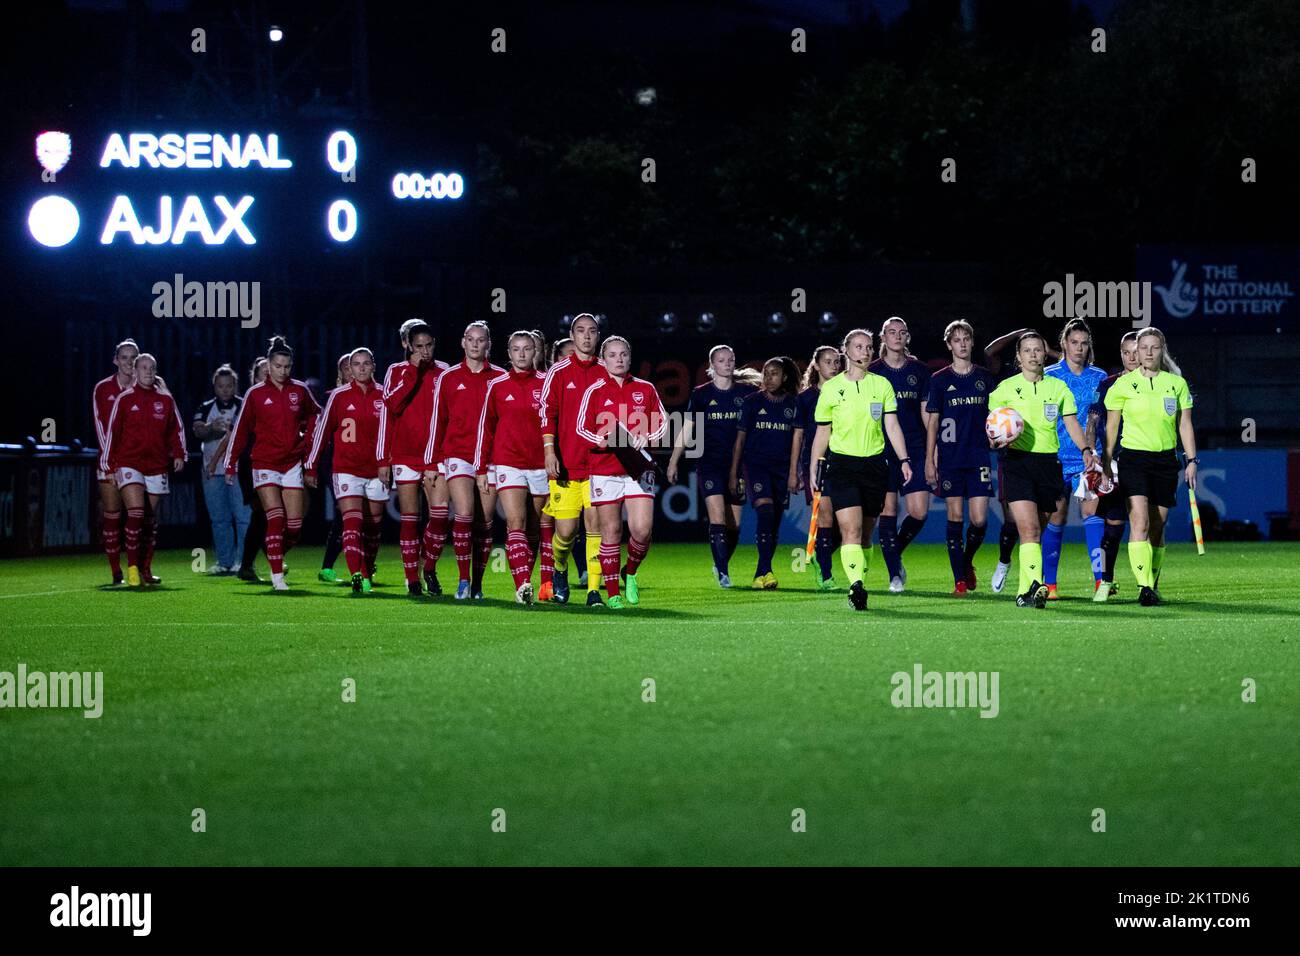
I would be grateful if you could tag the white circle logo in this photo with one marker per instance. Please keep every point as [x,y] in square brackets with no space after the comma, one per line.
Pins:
[53,221]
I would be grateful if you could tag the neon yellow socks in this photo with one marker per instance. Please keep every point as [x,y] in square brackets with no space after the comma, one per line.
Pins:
[1157,562]
[856,560]
[1140,558]
[593,562]
[1031,565]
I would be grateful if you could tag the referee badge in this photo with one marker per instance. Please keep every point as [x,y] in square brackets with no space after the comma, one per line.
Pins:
[708,485]
[1050,410]
[877,410]
[1171,405]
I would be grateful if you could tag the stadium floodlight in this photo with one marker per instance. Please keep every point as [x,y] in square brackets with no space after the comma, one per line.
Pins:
[566,323]
[668,323]
[646,96]
[776,323]
[705,323]
[828,322]
[276,34]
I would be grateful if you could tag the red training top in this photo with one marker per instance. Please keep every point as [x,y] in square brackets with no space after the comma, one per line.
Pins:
[144,432]
[457,407]
[566,381]
[408,405]
[351,422]
[510,428]
[277,420]
[635,404]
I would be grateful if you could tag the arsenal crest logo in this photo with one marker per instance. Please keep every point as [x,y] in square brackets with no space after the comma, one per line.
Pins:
[638,397]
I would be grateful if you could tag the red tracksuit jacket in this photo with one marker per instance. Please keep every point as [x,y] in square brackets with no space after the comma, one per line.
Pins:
[352,411]
[562,393]
[101,406]
[457,407]
[635,404]
[278,421]
[404,422]
[144,432]
[510,428]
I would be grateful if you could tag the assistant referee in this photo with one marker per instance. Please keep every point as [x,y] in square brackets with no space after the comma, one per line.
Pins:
[855,412]
[1155,407]
[1031,476]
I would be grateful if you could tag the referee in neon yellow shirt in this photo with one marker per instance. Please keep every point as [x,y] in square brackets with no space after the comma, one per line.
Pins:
[1031,476]
[857,410]
[1156,408]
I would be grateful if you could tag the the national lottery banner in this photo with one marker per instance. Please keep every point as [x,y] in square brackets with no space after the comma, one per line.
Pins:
[1242,288]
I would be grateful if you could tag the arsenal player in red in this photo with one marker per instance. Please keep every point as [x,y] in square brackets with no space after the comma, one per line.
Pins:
[510,444]
[101,407]
[144,432]
[277,416]
[351,423]
[403,435]
[616,406]
[566,454]
[453,429]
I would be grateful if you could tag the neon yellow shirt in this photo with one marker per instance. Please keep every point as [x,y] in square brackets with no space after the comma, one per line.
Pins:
[1149,408]
[1040,404]
[856,413]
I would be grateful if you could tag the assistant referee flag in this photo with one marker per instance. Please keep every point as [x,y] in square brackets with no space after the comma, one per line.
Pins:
[856,413]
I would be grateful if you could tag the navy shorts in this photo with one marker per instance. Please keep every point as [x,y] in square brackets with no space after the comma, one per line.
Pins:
[712,480]
[762,481]
[974,482]
[918,482]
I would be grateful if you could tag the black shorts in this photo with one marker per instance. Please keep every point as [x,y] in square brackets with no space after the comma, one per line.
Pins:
[1150,474]
[1031,476]
[1113,506]
[853,482]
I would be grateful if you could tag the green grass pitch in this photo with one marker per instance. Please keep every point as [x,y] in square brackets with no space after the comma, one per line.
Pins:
[224,696]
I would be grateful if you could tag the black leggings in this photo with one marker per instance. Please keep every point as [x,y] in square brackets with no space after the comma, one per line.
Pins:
[334,542]
[255,537]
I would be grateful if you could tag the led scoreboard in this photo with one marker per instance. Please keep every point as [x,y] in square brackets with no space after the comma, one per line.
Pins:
[137,192]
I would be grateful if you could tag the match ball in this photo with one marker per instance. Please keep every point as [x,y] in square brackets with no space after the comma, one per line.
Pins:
[1004,425]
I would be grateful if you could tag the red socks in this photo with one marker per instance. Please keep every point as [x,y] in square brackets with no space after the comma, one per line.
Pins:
[352,541]
[520,557]
[292,532]
[609,570]
[409,536]
[435,536]
[134,521]
[462,542]
[547,557]
[636,552]
[274,539]
[113,540]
